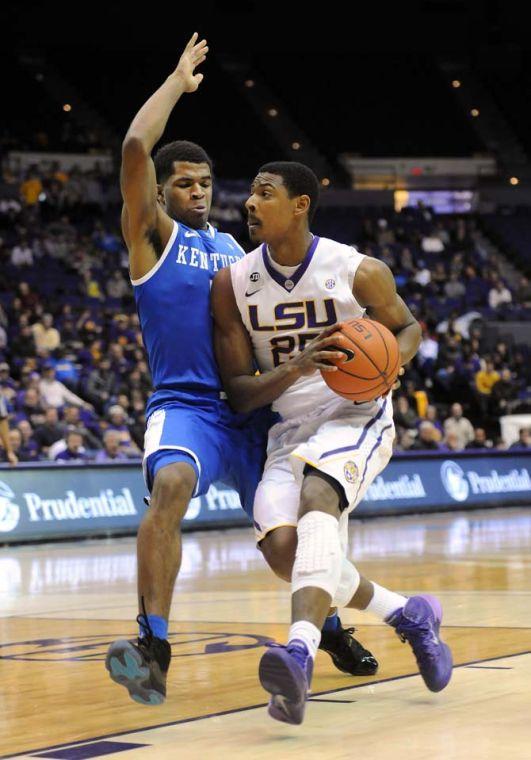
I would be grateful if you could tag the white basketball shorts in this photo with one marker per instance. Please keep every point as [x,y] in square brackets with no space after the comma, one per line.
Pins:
[351,443]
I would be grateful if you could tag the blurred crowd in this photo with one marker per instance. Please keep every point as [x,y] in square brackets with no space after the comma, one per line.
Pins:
[74,378]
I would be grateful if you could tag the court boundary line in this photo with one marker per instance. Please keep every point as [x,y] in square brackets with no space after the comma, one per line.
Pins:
[222,713]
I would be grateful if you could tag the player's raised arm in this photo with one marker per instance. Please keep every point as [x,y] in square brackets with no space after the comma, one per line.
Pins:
[246,390]
[145,225]
[375,289]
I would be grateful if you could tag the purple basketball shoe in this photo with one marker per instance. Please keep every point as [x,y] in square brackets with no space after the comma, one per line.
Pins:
[418,623]
[286,673]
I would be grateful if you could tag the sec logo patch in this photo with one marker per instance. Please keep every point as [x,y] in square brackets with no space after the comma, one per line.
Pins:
[351,472]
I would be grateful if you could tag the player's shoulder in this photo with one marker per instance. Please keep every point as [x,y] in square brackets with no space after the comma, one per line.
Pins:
[248,260]
[327,245]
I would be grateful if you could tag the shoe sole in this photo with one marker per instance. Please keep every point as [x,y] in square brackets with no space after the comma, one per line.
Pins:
[126,668]
[281,677]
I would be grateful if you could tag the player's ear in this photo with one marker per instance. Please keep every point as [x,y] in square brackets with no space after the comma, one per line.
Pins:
[160,194]
[302,205]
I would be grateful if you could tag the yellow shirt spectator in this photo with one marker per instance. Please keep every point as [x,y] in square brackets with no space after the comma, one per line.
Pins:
[30,190]
[486,378]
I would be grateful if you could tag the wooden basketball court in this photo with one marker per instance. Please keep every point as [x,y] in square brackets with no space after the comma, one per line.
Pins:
[61,604]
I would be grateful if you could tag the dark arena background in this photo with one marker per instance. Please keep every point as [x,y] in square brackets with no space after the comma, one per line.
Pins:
[417,122]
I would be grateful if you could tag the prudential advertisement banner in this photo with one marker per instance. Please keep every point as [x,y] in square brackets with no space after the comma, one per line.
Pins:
[41,502]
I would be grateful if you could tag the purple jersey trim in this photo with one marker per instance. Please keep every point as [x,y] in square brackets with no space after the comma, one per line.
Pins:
[296,276]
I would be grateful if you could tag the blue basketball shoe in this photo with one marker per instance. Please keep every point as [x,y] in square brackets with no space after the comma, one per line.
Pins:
[286,673]
[418,623]
[141,666]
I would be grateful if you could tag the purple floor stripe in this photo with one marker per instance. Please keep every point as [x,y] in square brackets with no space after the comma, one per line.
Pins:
[95,749]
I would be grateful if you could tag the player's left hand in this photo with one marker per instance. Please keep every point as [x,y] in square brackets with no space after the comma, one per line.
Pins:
[193,54]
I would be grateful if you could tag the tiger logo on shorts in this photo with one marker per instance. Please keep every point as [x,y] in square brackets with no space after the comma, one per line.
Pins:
[351,472]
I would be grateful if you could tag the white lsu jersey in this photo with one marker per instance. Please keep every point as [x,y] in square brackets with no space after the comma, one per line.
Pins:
[283,308]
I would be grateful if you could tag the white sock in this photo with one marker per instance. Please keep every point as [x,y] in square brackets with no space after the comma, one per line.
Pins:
[384,602]
[307,632]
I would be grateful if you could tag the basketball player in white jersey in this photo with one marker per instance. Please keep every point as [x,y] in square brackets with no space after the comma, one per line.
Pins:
[278,309]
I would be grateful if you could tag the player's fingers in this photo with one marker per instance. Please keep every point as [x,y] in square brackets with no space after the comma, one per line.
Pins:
[198,79]
[323,342]
[328,355]
[329,330]
[192,41]
[326,367]
[199,62]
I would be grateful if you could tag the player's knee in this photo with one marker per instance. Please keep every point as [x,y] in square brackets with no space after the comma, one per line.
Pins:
[278,548]
[318,493]
[172,490]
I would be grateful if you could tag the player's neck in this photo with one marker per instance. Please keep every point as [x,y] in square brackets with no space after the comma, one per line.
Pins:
[292,249]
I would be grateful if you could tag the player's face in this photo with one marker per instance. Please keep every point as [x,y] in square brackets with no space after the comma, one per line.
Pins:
[270,210]
[187,194]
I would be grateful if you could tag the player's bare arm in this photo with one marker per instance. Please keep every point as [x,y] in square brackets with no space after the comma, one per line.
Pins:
[375,289]
[246,390]
[145,225]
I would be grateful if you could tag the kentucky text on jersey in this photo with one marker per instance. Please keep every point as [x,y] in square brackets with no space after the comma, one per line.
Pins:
[173,302]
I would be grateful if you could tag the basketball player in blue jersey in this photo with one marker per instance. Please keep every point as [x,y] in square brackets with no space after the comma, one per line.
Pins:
[192,438]
[278,308]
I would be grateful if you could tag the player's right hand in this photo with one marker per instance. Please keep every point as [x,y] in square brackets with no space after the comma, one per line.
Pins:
[318,352]
[193,54]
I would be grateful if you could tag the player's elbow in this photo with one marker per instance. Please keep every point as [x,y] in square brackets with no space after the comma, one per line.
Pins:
[133,148]
[239,400]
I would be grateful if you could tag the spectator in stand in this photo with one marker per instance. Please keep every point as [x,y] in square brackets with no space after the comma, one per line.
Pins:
[101,384]
[6,381]
[74,450]
[427,353]
[23,344]
[427,439]
[73,421]
[499,295]
[404,415]
[15,448]
[404,441]
[451,442]
[117,287]
[29,447]
[459,425]
[112,448]
[479,441]
[22,255]
[504,394]
[9,452]
[31,407]
[46,335]
[485,380]
[28,298]
[433,417]
[454,288]
[524,440]
[523,292]
[55,393]
[31,188]
[50,431]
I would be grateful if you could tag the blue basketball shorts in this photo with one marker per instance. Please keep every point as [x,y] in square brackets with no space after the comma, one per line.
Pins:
[214,441]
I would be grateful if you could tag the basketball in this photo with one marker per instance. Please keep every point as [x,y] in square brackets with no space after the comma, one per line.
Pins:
[373,361]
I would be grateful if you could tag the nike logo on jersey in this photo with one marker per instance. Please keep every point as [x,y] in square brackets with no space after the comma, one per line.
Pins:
[252,292]
[191,234]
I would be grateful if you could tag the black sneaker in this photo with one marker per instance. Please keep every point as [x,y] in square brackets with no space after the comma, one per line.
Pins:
[141,666]
[347,653]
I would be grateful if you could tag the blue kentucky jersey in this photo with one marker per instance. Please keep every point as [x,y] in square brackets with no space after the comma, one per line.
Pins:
[173,302]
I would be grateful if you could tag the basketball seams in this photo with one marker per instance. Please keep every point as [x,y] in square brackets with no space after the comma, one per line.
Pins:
[383,381]
[374,323]
[361,347]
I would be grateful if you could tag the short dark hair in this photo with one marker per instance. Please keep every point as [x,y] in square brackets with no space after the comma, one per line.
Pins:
[299,180]
[180,150]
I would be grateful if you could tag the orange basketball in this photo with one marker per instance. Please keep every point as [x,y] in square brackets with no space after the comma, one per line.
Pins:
[373,361]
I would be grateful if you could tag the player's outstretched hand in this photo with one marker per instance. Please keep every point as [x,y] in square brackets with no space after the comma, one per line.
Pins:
[318,351]
[193,54]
